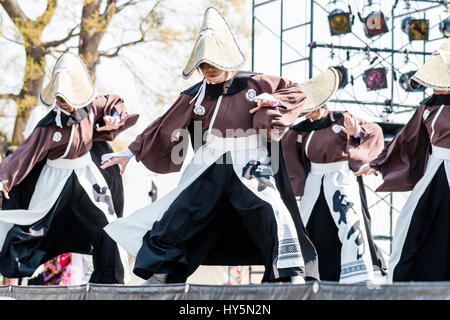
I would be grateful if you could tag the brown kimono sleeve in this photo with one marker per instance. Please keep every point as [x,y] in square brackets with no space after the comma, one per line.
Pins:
[154,145]
[367,147]
[106,106]
[295,161]
[403,161]
[15,167]
[289,94]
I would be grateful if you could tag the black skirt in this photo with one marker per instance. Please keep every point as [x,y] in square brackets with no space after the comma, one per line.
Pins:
[323,232]
[425,254]
[73,224]
[218,221]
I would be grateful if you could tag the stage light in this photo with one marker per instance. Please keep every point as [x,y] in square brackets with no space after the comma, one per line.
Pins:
[444,27]
[374,24]
[375,79]
[417,29]
[410,86]
[343,76]
[339,22]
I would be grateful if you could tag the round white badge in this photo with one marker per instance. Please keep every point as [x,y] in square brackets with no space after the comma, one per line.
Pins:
[200,110]
[299,138]
[336,128]
[250,94]
[57,136]
[426,113]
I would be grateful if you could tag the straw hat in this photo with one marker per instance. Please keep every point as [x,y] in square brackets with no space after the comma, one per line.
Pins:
[215,45]
[320,89]
[435,72]
[70,80]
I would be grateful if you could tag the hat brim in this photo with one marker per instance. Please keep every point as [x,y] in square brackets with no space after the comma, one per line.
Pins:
[74,85]
[320,89]
[218,47]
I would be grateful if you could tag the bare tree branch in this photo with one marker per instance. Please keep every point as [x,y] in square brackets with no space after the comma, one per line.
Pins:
[10,40]
[120,47]
[48,13]
[126,4]
[14,11]
[8,96]
[110,9]
[56,43]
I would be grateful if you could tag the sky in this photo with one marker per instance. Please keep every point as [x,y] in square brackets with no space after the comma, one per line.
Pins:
[139,76]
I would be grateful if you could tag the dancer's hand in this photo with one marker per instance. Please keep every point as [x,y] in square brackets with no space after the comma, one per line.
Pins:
[350,127]
[366,171]
[121,160]
[2,189]
[111,123]
[260,103]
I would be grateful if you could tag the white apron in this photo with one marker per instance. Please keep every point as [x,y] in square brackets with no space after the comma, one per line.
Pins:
[49,186]
[341,191]
[129,231]
[439,156]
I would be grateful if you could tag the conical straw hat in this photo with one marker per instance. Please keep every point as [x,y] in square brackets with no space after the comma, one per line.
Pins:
[320,89]
[70,80]
[215,45]
[435,72]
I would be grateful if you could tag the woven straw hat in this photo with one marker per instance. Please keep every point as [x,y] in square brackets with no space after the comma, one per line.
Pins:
[435,72]
[70,80]
[320,89]
[215,45]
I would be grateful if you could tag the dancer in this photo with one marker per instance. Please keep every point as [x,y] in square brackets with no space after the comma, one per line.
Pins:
[57,200]
[233,205]
[418,159]
[322,152]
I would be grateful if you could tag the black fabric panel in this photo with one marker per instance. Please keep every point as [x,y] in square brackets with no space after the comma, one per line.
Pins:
[232,86]
[74,224]
[216,212]
[436,99]
[20,195]
[323,232]
[75,117]
[307,125]
[426,251]
[287,195]
[232,240]
[375,252]
[112,175]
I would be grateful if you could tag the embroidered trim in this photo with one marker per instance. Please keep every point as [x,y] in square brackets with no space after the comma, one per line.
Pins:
[57,136]
[250,94]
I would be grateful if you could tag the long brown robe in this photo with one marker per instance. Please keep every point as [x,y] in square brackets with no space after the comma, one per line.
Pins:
[215,242]
[403,161]
[418,159]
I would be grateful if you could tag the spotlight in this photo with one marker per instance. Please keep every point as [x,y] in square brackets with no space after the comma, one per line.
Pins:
[417,29]
[339,22]
[375,79]
[407,84]
[444,27]
[374,24]
[343,76]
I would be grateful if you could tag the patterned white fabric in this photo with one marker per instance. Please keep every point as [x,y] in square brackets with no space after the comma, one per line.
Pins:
[341,192]
[129,231]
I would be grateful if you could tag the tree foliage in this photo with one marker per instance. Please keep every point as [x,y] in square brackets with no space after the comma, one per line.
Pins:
[143,22]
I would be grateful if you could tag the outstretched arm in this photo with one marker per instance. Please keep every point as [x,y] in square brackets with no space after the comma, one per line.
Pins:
[112,117]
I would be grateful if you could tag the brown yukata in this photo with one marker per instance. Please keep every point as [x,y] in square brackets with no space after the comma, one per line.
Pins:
[217,220]
[73,222]
[418,159]
[321,160]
